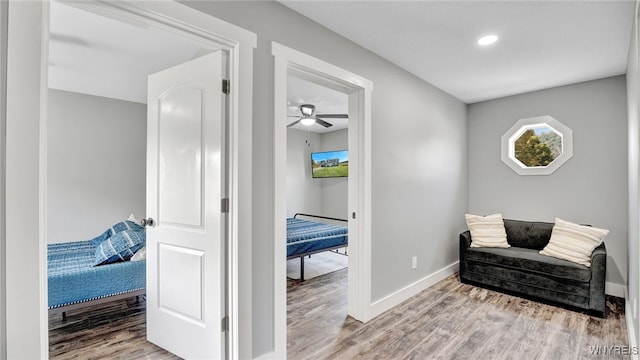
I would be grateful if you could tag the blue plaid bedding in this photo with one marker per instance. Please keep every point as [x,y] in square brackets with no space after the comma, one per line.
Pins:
[73,278]
[304,236]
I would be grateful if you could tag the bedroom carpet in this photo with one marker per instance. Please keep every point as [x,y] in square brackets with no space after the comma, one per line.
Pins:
[316,265]
[449,320]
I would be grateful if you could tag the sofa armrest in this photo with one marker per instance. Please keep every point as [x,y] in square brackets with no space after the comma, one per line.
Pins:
[465,242]
[598,278]
[465,239]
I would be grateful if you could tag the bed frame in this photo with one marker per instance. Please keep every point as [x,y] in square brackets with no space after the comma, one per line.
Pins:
[309,253]
[80,305]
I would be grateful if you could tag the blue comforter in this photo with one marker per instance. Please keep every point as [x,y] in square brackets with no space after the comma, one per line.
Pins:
[307,236]
[72,278]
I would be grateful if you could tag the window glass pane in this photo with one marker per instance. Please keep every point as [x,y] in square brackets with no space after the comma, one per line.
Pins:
[537,146]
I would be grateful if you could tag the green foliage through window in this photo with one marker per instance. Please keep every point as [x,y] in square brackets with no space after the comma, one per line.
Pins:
[538,147]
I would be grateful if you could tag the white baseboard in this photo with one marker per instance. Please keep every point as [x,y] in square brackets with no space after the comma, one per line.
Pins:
[393,299]
[269,356]
[614,289]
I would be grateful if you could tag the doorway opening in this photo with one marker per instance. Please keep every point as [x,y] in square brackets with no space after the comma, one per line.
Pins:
[292,63]
[125,188]
[97,160]
[317,210]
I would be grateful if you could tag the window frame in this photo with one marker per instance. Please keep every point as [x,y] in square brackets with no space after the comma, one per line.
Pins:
[509,138]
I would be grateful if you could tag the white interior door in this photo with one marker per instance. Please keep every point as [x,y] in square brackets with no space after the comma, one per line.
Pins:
[185,185]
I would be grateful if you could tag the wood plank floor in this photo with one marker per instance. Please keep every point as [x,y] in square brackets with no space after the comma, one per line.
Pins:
[113,330]
[447,321]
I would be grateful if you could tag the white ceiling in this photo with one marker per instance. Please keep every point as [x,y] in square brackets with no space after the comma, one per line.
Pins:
[92,54]
[95,55]
[542,44]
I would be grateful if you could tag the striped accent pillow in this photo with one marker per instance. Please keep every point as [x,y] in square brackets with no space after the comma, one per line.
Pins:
[119,247]
[487,231]
[574,242]
[116,228]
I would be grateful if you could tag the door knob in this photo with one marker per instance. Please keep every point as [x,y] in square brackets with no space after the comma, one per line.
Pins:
[147,222]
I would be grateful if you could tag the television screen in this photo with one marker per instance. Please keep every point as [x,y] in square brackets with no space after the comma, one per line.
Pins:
[329,164]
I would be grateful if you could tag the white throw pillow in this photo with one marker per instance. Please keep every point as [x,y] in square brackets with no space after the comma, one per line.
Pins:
[132,218]
[140,254]
[574,242]
[487,231]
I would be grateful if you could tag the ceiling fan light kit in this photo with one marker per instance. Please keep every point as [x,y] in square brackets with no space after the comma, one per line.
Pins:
[309,117]
[307,121]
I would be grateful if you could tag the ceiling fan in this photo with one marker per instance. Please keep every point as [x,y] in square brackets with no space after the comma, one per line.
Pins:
[309,116]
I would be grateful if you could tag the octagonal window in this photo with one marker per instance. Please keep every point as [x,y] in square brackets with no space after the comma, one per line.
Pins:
[537,146]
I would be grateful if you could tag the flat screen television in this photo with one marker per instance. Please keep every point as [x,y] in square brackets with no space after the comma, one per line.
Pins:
[328,164]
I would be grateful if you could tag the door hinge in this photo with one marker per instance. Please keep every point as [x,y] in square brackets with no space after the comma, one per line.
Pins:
[225,323]
[226,86]
[353,214]
[224,205]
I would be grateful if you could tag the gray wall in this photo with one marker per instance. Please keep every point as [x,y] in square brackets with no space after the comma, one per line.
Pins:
[96,164]
[3,104]
[589,188]
[327,197]
[335,191]
[304,194]
[419,186]
[633,106]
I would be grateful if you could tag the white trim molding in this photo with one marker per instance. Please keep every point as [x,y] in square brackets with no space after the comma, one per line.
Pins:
[397,297]
[614,289]
[25,296]
[289,61]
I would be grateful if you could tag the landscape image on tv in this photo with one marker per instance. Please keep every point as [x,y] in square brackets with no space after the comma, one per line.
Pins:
[329,164]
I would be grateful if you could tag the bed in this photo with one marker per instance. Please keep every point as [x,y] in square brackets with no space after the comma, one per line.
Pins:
[74,281]
[306,237]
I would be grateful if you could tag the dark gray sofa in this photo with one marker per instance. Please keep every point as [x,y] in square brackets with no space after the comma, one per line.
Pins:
[521,270]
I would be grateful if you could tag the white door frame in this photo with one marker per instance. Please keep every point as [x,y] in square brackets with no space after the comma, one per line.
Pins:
[290,61]
[181,20]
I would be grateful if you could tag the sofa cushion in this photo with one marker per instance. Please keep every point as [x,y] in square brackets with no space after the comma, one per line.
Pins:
[530,260]
[528,234]
[487,231]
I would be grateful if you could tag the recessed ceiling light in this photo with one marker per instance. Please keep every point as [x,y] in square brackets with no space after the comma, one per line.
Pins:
[487,40]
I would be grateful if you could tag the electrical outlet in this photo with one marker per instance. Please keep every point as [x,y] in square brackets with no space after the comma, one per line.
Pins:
[414,262]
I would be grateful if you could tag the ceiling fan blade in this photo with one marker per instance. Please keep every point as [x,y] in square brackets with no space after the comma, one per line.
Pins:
[293,115]
[323,123]
[333,116]
[295,122]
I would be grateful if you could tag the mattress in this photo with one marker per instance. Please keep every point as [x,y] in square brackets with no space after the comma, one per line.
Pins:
[307,236]
[73,279]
